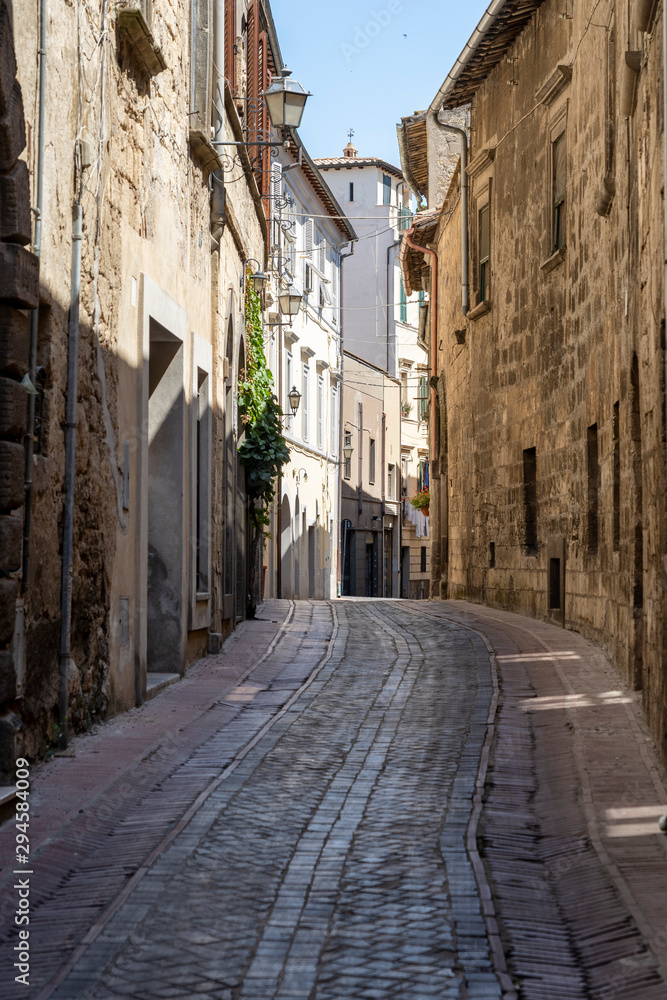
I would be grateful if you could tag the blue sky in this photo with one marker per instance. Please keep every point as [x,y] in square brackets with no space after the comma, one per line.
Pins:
[369,63]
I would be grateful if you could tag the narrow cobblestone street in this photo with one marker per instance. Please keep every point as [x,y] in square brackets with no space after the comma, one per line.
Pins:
[356,799]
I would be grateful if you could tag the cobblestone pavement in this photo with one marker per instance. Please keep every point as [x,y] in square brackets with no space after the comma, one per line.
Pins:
[330,862]
[357,799]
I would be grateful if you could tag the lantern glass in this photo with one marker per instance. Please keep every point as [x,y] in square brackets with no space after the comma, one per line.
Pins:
[259,280]
[347,452]
[290,303]
[294,397]
[285,101]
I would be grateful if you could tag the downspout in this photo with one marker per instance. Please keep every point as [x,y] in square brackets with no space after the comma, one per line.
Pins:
[70,470]
[390,298]
[34,318]
[341,424]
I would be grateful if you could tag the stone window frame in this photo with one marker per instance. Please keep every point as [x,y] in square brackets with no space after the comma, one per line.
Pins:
[553,95]
[481,175]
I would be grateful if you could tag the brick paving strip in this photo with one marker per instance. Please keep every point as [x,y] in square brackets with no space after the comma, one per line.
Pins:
[569,832]
[98,817]
[331,863]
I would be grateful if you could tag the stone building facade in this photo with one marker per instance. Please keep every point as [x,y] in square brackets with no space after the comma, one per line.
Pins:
[309,233]
[158,217]
[381,324]
[548,469]
[370,487]
[19,295]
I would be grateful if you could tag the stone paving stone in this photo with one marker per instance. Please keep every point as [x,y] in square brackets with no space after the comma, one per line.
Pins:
[316,870]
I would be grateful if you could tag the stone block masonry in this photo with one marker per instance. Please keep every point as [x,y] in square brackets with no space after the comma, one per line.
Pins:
[19,289]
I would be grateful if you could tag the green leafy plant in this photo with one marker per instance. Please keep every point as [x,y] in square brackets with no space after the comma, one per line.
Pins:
[263,452]
[421,499]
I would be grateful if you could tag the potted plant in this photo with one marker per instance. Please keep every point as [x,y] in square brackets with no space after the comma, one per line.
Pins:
[406,409]
[420,501]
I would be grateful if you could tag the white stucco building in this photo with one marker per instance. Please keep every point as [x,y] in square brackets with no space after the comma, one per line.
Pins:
[381,326]
[308,235]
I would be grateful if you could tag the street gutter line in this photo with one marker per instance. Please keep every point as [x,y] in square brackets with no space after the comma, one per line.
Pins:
[485,894]
[143,870]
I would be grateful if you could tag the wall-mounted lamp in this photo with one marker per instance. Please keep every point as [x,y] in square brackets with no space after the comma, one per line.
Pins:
[290,302]
[347,451]
[297,473]
[285,100]
[294,397]
[258,278]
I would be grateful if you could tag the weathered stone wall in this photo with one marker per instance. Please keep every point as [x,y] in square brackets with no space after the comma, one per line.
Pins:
[19,290]
[146,216]
[571,341]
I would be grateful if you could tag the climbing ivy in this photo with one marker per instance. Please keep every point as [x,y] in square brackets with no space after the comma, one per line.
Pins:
[263,452]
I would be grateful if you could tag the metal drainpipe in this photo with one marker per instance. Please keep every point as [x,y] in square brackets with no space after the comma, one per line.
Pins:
[433,307]
[70,469]
[390,298]
[34,318]
[341,425]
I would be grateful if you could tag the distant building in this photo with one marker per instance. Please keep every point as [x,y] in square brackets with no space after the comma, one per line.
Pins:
[381,326]
[370,500]
[308,234]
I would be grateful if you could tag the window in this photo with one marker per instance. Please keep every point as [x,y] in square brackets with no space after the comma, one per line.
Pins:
[304,402]
[351,191]
[347,466]
[423,397]
[386,189]
[307,279]
[593,466]
[334,420]
[554,585]
[405,469]
[558,151]
[484,252]
[530,499]
[403,302]
[360,441]
[320,412]
[390,482]
[422,563]
[371,461]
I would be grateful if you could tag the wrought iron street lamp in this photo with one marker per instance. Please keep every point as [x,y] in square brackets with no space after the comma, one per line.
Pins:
[285,100]
[290,302]
[258,278]
[294,397]
[347,452]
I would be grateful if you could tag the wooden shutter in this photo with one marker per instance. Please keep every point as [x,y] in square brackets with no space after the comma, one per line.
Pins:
[230,44]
